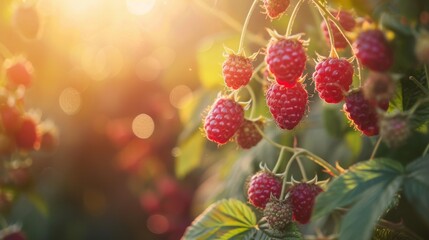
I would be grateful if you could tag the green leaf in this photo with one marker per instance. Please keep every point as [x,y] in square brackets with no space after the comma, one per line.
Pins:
[188,154]
[357,182]
[359,222]
[210,59]
[225,219]
[416,185]
[264,233]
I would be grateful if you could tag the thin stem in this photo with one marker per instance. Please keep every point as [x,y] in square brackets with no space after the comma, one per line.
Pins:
[246,23]
[417,105]
[418,84]
[301,169]
[285,173]
[375,148]
[313,157]
[278,145]
[427,74]
[279,160]
[292,18]
[253,97]
[426,150]
[230,22]
[333,52]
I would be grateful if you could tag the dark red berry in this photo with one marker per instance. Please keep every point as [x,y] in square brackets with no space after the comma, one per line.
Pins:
[275,8]
[302,196]
[247,135]
[223,120]
[333,77]
[27,137]
[373,50]
[26,20]
[19,72]
[362,113]
[286,60]
[237,71]
[261,186]
[346,19]
[287,105]
[278,213]
[10,118]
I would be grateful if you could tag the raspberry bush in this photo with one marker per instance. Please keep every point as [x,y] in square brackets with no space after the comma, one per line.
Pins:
[354,114]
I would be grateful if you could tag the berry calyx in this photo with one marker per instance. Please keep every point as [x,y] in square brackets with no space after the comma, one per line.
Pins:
[261,187]
[373,51]
[333,77]
[223,120]
[278,213]
[395,129]
[286,60]
[287,105]
[247,135]
[362,113]
[302,196]
[19,71]
[237,71]
[275,8]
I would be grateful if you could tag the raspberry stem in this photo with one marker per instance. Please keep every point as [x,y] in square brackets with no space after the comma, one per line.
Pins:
[253,101]
[285,173]
[375,148]
[301,168]
[426,150]
[333,52]
[246,23]
[292,18]
[279,160]
[228,20]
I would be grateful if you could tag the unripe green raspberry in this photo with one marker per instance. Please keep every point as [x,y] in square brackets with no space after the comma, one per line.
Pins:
[278,213]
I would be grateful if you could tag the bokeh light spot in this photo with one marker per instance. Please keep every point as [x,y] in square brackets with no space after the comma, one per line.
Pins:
[180,95]
[70,101]
[143,126]
[165,56]
[140,7]
[158,224]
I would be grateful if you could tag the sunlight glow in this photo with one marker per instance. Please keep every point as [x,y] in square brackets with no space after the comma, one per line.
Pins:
[70,101]
[140,7]
[143,126]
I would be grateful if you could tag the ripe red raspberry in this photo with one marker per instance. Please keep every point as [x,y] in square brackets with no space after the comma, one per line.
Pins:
[275,8]
[395,129]
[223,120]
[286,60]
[302,196]
[278,213]
[333,77]
[261,186]
[362,113]
[10,118]
[237,71]
[19,72]
[373,50]
[27,137]
[287,105]
[247,135]
[346,21]
[26,20]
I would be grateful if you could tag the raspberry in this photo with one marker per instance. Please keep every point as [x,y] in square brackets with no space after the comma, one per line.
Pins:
[261,186]
[27,21]
[378,87]
[275,8]
[373,51]
[19,72]
[287,105]
[27,136]
[237,71]
[302,196]
[247,135]
[346,21]
[223,120]
[395,130]
[278,213]
[286,60]
[10,117]
[362,113]
[333,76]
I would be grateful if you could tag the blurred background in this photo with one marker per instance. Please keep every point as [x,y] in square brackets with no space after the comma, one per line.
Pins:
[126,82]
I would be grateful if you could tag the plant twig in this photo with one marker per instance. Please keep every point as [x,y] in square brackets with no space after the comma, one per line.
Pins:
[246,24]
